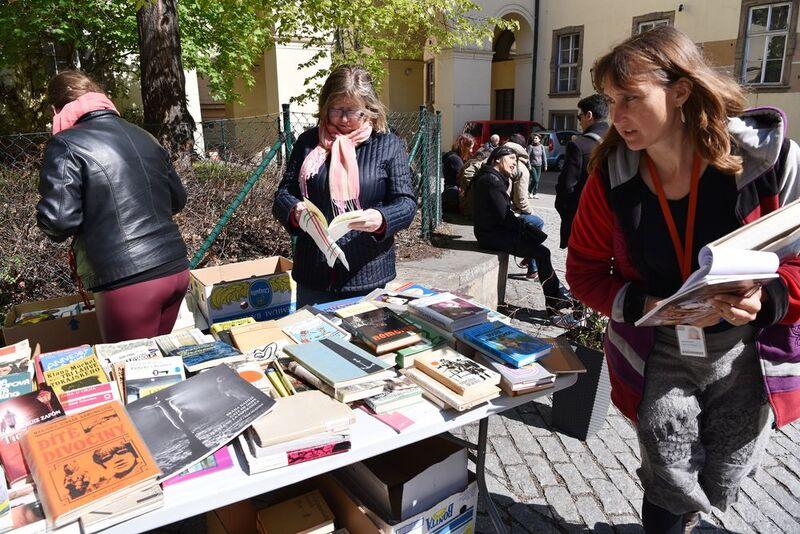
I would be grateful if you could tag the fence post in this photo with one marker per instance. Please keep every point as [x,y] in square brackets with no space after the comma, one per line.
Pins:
[425,179]
[438,154]
[287,130]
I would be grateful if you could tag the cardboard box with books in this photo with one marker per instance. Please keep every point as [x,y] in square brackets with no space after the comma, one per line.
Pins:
[53,324]
[262,289]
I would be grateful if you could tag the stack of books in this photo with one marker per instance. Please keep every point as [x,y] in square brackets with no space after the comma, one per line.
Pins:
[299,428]
[448,311]
[451,380]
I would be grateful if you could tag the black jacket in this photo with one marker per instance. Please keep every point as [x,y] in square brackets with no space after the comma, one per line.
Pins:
[451,167]
[111,185]
[573,176]
[495,224]
[385,185]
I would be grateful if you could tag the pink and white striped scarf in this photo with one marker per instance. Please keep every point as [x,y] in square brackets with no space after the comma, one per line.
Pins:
[343,174]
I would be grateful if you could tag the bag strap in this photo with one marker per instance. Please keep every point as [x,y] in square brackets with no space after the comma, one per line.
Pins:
[592,135]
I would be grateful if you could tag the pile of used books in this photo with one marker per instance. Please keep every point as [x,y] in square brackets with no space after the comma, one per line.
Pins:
[89,435]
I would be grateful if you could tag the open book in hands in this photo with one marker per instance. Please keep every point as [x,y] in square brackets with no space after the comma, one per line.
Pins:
[325,234]
[738,263]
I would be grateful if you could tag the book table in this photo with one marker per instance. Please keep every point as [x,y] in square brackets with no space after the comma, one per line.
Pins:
[369,438]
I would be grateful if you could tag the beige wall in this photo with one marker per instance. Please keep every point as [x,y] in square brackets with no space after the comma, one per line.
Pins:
[403,88]
[503,77]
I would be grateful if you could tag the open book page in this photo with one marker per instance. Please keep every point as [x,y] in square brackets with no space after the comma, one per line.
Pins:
[761,233]
[313,222]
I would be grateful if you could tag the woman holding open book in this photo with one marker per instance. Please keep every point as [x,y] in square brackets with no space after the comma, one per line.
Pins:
[349,164]
[683,165]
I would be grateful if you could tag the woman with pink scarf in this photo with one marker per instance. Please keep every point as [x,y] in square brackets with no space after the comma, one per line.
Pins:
[108,185]
[350,161]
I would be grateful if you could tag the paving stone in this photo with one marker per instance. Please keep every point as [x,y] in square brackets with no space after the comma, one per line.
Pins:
[626,524]
[630,462]
[767,527]
[604,456]
[528,407]
[505,449]
[552,449]
[522,482]
[590,511]
[789,446]
[612,500]
[561,502]
[613,441]
[733,522]
[572,478]
[792,464]
[571,444]
[633,445]
[786,500]
[536,424]
[496,426]
[625,430]
[541,470]
[780,517]
[493,464]
[755,491]
[787,478]
[530,519]
[471,432]
[522,437]
[586,465]
[624,484]
[750,513]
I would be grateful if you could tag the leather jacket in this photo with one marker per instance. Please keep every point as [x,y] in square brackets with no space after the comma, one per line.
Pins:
[111,186]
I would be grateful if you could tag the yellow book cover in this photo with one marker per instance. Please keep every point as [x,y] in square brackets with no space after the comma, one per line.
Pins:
[80,373]
[216,328]
[86,460]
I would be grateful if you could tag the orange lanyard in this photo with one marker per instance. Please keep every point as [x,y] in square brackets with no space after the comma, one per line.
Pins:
[684,256]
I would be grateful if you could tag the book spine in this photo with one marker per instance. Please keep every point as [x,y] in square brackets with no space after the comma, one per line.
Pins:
[276,381]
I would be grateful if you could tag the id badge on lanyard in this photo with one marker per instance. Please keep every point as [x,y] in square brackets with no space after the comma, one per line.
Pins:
[691,340]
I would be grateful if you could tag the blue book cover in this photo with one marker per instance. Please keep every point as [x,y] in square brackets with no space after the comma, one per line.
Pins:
[14,385]
[206,355]
[505,343]
[337,304]
[335,361]
[54,360]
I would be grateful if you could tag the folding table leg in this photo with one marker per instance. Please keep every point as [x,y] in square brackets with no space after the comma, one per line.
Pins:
[480,466]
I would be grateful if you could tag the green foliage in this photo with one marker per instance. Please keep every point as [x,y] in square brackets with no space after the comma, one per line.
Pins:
[591,333]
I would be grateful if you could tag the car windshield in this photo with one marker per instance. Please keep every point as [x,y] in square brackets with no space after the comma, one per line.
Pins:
[474,129]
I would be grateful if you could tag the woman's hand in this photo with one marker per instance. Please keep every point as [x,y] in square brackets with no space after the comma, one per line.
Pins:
[369,221]
[736,309]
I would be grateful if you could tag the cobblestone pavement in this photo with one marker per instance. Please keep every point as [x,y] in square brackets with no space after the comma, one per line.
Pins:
[545,481]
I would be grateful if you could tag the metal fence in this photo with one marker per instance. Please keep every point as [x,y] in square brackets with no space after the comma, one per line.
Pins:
[254,149]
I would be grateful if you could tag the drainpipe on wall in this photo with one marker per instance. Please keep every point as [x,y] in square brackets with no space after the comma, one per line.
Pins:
[535,56]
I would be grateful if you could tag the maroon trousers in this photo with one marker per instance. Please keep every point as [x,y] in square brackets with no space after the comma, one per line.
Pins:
[146,309]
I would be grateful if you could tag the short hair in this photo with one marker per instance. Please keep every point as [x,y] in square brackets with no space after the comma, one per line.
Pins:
[353,81]
[500,152]
[70,85]
[482,153]
[494,136]
[596,104]
[517,138]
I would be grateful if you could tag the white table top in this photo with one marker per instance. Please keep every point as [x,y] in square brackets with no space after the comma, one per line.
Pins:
[369,438]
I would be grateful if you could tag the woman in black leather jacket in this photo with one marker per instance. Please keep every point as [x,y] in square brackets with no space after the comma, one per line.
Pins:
[111,187]
[369,170]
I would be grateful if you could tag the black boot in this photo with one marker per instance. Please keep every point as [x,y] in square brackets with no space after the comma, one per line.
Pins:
[657,520]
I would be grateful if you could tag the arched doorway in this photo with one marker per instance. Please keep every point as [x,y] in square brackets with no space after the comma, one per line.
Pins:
[511,70]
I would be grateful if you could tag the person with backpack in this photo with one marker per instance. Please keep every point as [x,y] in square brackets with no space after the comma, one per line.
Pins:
[592,114]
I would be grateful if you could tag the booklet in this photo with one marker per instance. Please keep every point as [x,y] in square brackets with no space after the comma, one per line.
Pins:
[325,234]
[737,263]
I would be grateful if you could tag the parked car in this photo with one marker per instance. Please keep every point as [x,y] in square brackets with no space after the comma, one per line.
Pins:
[483,130]
[556,142]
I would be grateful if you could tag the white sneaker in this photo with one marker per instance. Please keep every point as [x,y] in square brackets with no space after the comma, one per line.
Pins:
[535,196]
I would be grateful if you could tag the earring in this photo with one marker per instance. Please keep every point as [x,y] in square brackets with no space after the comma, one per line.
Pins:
[683,117]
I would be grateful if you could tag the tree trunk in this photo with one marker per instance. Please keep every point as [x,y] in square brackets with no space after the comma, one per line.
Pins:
[163,85]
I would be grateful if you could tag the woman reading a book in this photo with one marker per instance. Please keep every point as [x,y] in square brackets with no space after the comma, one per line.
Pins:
[683,165]
[350,162]
[110,186]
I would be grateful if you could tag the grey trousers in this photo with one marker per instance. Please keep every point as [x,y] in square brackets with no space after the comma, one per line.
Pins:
[703,422]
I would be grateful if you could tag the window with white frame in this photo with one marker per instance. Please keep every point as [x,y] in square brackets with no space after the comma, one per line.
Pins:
[563,120]
[650,24]
[568,71]
[767,36]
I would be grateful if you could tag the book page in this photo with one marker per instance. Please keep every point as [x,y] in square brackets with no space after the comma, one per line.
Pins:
[313,222]
[340,224]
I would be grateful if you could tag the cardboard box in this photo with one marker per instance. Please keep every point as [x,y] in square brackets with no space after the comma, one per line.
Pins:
[55,334]
[454,514]
[262,289]
[236,518]
[404,482]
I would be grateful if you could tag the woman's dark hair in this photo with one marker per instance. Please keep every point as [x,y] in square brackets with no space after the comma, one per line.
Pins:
[482,153]
[498,153]
[70,85]
[517,138]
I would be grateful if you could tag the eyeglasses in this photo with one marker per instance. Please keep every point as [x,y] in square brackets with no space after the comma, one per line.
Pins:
[351,114]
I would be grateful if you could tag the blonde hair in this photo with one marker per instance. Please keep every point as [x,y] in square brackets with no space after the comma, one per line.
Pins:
[70,85]
[352,81]
[666,55]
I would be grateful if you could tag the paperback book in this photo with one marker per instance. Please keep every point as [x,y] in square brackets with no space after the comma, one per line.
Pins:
[219,461]
[314,329]
[144,377]
[446,397]
[82,399]
[505,343]
[15,384]
[448,311]
[198,357]
[77,374]
[336,362]
[461,374]
[125,351]
[382,330]
[188,421]
[181,338]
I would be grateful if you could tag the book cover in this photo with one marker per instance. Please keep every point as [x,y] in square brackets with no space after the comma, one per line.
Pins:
[198,357]
[80,373]
[418,290]
[394,420]
[436,390]
[456,308]
[181,338]
[332,306]
[314,330]
[81,459]
[382,330]
[518,379]
[391,400]
[21,349]
[354,309]
[505,342]
[188,421]
[219,461]
[435,336]
[143,377]
[336,362]
[122,509]
[456,371]
[15,384]
[280,459]
[562,357]
[53,360]
[81,399]
[16,359]
[125,351]
[254,374]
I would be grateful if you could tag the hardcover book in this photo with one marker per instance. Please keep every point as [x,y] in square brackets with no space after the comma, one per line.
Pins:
[505,343]
[314,329]
[382,330]
[125,351]
[143,377]
[461,374]
[336,362]
[181,338]
[449,311]
[188,421]
[199,357]
[86,460]
[77,374]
